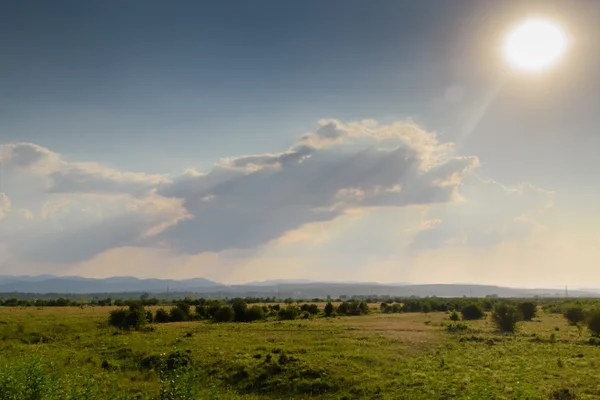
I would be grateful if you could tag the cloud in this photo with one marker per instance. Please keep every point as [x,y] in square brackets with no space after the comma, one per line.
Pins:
[257,198]
[488,214]
[260,201]
[5,205]
[29,156]
[130,222]
[74,177]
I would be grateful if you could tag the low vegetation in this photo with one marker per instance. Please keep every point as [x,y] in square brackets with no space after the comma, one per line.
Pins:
[234,349]
[505,317]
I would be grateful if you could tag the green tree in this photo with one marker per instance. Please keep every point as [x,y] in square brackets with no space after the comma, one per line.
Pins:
[161,316]
[329,309]
[505,317]
[288,313]
[224,314]
[179,314]
[471,312]
[129,319]
[343,308]
[593,322]
[254,313]
[239,310]
[528,310]
[576,317]
[310,308]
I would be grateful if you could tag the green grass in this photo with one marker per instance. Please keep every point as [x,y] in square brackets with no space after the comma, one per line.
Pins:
[70,353]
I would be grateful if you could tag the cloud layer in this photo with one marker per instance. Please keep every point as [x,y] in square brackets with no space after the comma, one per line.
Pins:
[84,209]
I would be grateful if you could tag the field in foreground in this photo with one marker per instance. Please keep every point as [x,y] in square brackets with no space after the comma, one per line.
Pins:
[71,353]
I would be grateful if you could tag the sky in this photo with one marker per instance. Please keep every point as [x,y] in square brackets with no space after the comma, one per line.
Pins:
[343,140]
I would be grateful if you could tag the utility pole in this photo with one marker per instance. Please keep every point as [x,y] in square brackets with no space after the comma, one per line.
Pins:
[566,291]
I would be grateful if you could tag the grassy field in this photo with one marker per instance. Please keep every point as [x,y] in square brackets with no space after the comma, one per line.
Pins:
[71,353]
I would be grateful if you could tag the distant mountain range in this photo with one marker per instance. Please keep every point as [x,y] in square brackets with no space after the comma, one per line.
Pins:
[45,284]
[77,284]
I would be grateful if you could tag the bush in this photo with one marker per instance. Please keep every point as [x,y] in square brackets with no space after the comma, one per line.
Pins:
[454,316]
[594,341]
[177,314]
[310,308]
[128,319]
[288,313]
[136,318]
[117,318]
[329,309]
[305,315]
[161,316]
[225,314]
[563,394]
[471,312]
[505,317]
[239,310]
[185,307]
[255,313]
[353,308]
[593,322]
[149,317]
[457,327]
[528,310]
[575,316]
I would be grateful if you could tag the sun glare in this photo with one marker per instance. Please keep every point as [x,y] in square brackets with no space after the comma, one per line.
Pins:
[535,44]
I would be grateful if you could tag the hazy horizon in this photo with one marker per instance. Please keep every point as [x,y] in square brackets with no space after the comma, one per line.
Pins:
[337,141]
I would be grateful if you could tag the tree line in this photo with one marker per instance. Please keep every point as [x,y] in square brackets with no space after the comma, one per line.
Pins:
[136,316]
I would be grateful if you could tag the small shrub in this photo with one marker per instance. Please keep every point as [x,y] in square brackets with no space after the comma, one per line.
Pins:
[176,360]
[563,394]
[471,312]
[505,317]
[454,316]
[161,316]
[149,317]
[457,327]
[594,341]
[528,310]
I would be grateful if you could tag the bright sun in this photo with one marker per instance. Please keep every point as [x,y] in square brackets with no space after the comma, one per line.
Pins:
[535,44]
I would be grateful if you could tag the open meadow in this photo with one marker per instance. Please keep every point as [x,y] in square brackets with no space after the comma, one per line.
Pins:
[72,353]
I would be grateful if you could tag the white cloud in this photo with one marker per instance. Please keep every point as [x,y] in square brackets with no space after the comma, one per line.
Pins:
[74,177]
[274,204]
[258,198]
[5,205]
[488,213]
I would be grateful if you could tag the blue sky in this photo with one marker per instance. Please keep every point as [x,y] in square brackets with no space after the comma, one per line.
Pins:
[105,106]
